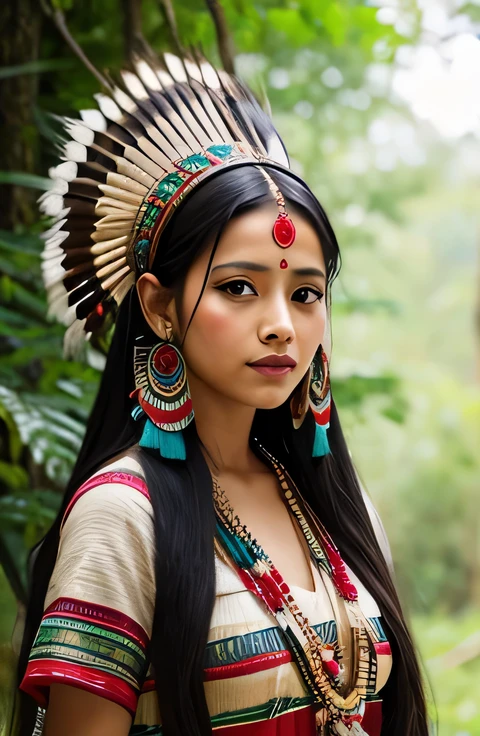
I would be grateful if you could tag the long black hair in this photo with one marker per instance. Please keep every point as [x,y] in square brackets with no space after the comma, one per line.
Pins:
[181,491]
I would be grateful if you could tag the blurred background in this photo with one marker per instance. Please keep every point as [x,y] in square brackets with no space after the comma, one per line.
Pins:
[379,106]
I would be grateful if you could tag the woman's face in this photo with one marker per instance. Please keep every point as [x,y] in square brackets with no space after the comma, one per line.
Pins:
[252,308]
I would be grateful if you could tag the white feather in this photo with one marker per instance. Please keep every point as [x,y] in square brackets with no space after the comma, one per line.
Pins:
[105,245]
[193,70]
[52,274]
[57,310]
[67,171]
[81,134]
[75,338]
[55,293]
[63,213]
[109,256]
[60,186]
[69,317]
[52,205]
[109,108]
[175,67]
[119,291]
[47,234]
[164,78]
[125,102]
[210,75]
[49,254]
[75,152]
[134,86]
[276,151]
[94,120]
[147,75]
[56,239]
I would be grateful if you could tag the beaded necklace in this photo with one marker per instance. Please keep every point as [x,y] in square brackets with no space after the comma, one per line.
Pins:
[336,713]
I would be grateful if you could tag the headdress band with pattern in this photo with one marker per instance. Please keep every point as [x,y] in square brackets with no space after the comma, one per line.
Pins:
[127,167]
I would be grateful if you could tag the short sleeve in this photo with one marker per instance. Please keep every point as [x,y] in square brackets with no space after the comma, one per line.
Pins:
[99,607]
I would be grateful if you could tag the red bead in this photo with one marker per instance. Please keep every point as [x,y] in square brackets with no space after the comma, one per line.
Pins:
[99,310]
[284,231]
[165,360]
[331,666]
[283,263]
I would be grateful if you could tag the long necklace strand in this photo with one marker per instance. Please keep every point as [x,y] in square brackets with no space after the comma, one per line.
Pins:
[338,714]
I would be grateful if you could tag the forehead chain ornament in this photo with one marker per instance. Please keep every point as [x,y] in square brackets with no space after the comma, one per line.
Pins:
[283,229]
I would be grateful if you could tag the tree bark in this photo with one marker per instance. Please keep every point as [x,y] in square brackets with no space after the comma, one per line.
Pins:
[20,26]
[134,41]
[171,22]
[224,38]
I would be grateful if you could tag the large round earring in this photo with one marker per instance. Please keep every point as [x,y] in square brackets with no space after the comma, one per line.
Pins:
[314,393]
[163,396]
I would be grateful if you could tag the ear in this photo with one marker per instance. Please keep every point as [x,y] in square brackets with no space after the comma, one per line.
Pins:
[158,305]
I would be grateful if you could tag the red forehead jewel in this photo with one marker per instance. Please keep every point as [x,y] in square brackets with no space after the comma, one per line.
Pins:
[283,229]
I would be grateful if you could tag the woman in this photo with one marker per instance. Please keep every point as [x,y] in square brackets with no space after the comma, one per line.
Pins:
[193,579]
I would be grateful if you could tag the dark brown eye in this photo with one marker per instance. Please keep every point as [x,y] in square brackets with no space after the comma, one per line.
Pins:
[304,295]
[235,288]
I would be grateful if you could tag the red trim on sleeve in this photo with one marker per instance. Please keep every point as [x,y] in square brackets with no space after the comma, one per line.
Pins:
[111,476]
[40,674]
[248,666]
[100,615]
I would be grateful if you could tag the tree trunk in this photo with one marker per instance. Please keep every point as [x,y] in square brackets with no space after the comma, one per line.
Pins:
[20,24]
[132,28]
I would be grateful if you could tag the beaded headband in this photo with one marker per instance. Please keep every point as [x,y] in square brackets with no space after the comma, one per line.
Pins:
[126,168]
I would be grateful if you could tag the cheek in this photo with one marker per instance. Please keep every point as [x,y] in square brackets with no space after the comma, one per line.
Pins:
[213,321]
[215,331]
[310,334]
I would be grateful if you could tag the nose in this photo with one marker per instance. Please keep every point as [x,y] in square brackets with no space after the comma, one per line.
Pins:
[277,324]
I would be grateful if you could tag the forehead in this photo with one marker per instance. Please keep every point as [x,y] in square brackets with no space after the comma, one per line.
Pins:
[249,237]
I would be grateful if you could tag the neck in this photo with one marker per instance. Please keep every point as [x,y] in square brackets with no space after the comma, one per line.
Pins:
[223,427]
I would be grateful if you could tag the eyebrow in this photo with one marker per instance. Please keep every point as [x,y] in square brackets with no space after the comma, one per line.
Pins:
[251,266]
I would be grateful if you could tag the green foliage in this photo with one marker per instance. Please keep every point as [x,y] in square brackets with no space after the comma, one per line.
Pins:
[21,179]
[44,400]
[402,366]
[35,67]
[449,647]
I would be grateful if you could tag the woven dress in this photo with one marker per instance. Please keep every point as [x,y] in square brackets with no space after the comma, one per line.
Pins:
[98,615]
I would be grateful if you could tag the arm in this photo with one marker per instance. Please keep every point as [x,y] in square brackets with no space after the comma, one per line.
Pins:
[88,661]
[76,712]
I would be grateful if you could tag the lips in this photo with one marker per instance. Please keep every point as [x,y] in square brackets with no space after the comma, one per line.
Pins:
[274,365]
[275,361]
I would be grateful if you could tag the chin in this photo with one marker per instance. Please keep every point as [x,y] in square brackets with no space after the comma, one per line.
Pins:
[273,402]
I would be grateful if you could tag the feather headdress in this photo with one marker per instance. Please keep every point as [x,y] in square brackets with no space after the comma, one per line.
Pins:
[125,168]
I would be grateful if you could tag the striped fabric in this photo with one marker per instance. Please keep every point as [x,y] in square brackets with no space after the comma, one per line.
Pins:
[99,612]
[97,644]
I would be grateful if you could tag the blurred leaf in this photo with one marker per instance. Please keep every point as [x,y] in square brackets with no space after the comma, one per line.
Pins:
[21,179]
[21,243]
[35,67]
[366,306]
[13,476]
[354,390]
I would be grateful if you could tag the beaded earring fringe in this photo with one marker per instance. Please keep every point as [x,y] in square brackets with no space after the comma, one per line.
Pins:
[170,444]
